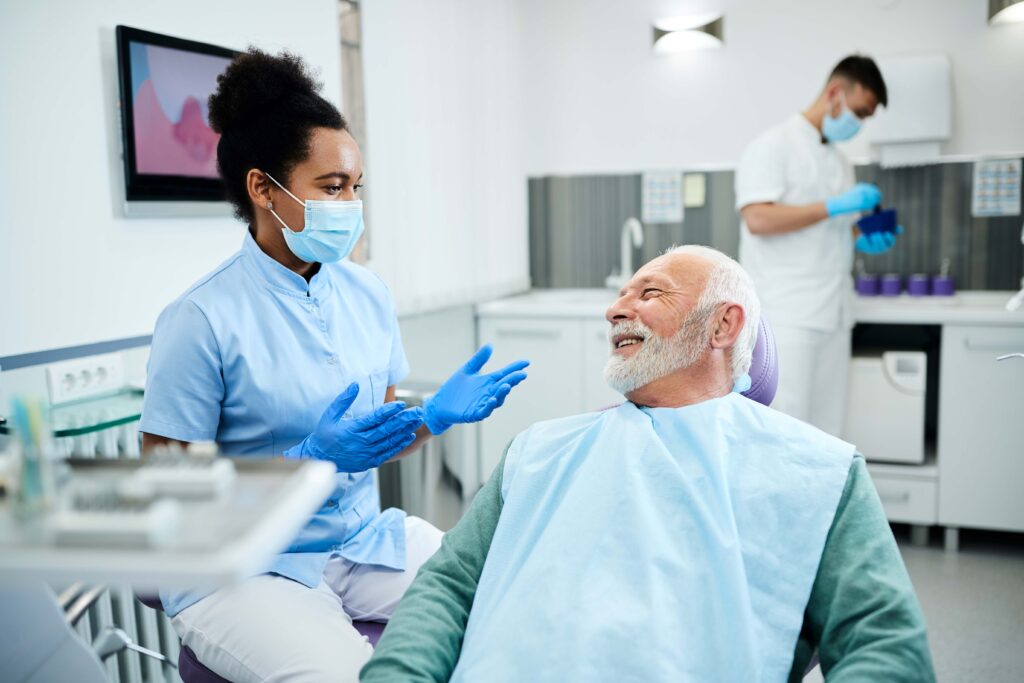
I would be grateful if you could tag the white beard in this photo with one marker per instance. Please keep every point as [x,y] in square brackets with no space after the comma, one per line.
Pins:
[657,357]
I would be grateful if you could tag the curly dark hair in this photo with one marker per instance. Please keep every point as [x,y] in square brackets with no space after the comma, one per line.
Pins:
[265,109]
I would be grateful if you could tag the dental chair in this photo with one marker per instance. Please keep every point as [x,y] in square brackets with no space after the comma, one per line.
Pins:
[191,670]
[764,366]
[764,381]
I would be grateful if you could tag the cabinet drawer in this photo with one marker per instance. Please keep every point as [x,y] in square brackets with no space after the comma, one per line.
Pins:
[911,501]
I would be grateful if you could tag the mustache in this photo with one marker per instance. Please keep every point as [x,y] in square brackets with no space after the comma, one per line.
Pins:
[629,327]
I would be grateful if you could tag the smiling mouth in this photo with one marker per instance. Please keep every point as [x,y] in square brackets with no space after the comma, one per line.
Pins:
[625,341]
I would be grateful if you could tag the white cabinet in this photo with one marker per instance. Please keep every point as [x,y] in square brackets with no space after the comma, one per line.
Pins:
[907,498]
[553,388]
[981,428]
[596,350]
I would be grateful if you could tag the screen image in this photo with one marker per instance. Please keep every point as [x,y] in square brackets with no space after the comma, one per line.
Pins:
[169,92]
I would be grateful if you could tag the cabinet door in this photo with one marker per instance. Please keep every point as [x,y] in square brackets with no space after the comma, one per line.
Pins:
[554,386]
[981,428]
[596,348]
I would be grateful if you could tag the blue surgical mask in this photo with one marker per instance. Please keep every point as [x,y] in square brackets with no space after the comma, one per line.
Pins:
[842,127]
[331,229]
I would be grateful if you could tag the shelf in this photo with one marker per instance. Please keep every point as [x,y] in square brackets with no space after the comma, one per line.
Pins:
[93,415]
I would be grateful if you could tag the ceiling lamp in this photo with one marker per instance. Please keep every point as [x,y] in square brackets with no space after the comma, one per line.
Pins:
[690,32]
[1005,11]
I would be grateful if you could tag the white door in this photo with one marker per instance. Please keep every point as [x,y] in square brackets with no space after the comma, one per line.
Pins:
[553,388]
[981,428]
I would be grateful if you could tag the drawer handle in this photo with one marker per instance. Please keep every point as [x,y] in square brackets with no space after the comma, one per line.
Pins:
[897,498]
[1005,347]
[529,334]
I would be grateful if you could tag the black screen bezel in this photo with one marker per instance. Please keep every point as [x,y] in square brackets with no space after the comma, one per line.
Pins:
[152,186]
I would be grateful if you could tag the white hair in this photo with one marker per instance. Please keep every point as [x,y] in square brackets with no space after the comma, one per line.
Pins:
[728,283]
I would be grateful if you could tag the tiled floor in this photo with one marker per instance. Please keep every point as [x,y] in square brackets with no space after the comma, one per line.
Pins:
[973,601]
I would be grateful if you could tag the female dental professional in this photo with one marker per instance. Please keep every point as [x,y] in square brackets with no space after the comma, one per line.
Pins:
[289,348]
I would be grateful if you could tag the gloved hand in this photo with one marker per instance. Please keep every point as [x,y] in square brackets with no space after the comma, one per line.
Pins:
[361,443]
[877,242]
[863,197]
[468,396]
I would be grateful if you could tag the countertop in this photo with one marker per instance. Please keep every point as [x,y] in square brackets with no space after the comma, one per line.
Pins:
[963,308]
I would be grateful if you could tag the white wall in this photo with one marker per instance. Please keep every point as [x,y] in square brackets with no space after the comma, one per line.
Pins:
[73,269]
[445,169]
[599,100]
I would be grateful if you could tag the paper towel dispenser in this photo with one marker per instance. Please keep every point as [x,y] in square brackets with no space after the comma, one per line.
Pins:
[919,117]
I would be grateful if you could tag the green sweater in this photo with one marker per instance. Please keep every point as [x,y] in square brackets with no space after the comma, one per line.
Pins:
[862,616]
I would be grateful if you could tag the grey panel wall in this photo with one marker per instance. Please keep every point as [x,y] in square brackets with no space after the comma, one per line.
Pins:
[934,204]
[575,224]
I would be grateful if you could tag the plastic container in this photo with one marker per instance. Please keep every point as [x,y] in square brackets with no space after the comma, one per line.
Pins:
[879,221]
[892,285]
[917,284]
[943,286]
[867,285]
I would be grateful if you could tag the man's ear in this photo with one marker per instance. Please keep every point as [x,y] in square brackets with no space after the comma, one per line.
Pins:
[729,319]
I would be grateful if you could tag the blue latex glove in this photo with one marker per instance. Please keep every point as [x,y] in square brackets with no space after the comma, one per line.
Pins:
[361,443]
[877,242]
[863,197]
[469,396]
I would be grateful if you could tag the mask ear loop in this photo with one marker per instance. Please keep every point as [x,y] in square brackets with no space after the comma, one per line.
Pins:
[270,205]
[840,95]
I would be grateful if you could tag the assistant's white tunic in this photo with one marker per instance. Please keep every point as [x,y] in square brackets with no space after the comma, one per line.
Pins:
[803,278]
[670,544]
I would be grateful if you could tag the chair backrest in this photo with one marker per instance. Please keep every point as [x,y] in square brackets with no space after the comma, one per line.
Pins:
[764,366]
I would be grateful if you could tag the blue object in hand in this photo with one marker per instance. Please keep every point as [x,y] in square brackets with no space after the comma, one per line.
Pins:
[863,197]
[468,395]
[877,242]
[361,443]
[879,221]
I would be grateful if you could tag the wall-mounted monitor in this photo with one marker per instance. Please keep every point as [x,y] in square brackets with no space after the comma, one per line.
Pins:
[170,151]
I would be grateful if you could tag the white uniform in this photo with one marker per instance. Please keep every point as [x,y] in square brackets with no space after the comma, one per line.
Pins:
[802,277]
[272,629]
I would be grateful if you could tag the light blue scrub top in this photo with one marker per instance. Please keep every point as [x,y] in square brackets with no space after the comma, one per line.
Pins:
[250,356]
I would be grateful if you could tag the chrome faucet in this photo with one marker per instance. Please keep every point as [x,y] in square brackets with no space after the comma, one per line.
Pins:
[631,236]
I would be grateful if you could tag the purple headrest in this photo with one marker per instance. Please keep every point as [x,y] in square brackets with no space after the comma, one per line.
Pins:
[764,366]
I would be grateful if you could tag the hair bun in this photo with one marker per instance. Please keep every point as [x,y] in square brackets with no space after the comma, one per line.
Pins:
[253,83]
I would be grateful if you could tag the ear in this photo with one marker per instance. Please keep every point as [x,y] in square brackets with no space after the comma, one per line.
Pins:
[728,323]
[258,185]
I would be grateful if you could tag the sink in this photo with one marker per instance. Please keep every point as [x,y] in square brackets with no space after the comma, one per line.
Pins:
[574,303]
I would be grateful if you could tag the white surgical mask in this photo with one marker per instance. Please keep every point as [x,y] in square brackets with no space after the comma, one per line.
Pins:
[331,228]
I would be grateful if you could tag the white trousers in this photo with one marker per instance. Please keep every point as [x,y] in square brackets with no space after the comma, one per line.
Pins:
[270,628]
[814,369]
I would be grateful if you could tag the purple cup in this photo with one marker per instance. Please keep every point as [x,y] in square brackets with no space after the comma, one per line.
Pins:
[892,285]
[867,285]
[943,286]
[917,284]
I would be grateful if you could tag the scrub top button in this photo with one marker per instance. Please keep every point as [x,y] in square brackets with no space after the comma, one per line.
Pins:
[331,360]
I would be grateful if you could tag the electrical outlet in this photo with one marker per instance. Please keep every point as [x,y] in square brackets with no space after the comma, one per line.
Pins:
[74,380]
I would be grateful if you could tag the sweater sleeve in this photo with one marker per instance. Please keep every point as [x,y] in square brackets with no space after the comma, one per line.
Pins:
[863,615]
[423,639]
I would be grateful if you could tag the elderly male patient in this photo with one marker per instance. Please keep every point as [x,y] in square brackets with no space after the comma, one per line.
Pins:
[689,534]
